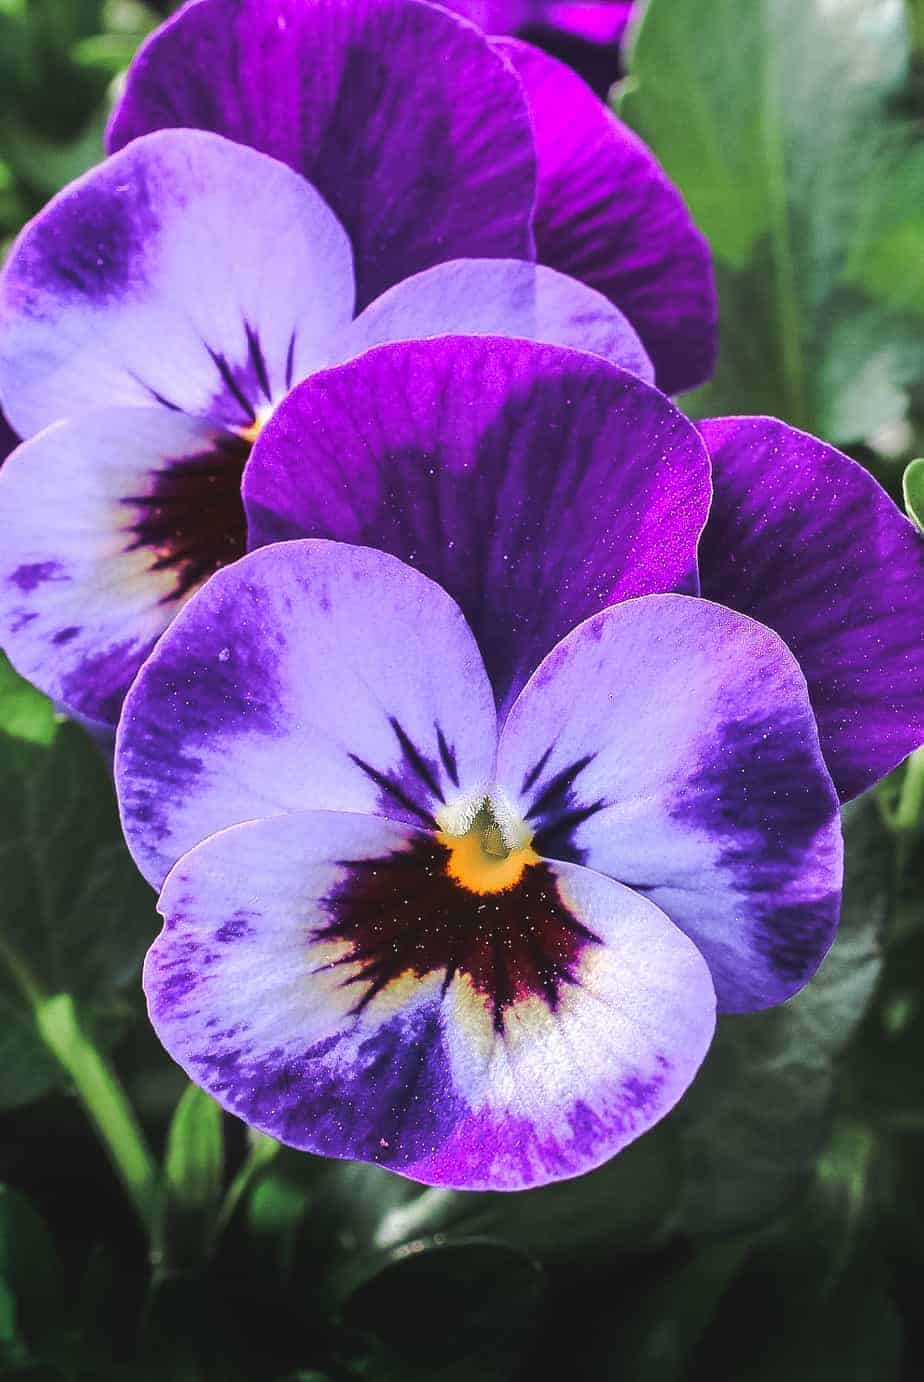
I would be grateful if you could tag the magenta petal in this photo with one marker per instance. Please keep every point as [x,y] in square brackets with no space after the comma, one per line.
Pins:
[537,485]
[412,128]
[606,213]
[805,540]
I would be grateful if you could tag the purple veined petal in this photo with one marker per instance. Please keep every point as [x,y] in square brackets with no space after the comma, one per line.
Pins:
[606,213]
[187,272]
[499,297]
[670,743]
[109,523]
[804,539]
[310,675]
[411,127]
[323,977]
[537,485]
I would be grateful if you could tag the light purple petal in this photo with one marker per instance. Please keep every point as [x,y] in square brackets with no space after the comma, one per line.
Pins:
[669,743]
[324,979]
[187,272]
[410,126]
[499,297]
[108,525]
[606,213]
[806,541]
[536,485]
[308,676]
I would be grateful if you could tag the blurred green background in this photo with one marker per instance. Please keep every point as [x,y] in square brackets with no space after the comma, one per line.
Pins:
[773,1226]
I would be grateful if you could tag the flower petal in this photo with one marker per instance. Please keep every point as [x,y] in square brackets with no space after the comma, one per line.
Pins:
[804,539]
[186,272]
[669,743]
[500,297]
[536,485]
[606,213]
[8,439]
[326,981]
[109,524]
[310,675]
[410,126]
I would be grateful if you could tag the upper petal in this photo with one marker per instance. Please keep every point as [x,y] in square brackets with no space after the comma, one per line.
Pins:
[109,523]
[670,743]
[186,272]
[607,213]
[499,297]
[411,127]
[537,485]
[309,675]
[806,541]
[326,980]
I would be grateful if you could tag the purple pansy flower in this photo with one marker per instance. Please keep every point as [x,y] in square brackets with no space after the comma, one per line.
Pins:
[431,142]
[161,307]
[482,950]
[586,35]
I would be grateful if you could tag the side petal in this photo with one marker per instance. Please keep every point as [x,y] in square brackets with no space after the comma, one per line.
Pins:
[804,539]
[670,743]
[310,675]
[412,128]
[606,213]
[185,272]
[536,485]
[109,524]
[322,977]
[500,297]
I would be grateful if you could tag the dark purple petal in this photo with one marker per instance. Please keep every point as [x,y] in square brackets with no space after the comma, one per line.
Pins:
[805,540]
[311,675]
[185,272]
[669,743]
[410,126]
[498,297]
[587,36]
[108,525]
[607,214]
[536,485]
[324,978]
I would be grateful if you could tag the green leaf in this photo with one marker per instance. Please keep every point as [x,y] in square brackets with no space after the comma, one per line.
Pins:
[913,491]
[445,1312]
[775,119]
[195,1157]
[758,1114]
[75,916]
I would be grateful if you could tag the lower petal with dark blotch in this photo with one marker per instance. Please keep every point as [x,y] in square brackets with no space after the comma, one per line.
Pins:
[670,743]
[499,297]
[536,484]
[109,524]
[804,539]
[311,675]
[326,979]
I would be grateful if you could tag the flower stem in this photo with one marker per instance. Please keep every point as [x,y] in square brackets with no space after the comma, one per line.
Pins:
[911,799]
[915,10]
[104,1100]
[262,1151]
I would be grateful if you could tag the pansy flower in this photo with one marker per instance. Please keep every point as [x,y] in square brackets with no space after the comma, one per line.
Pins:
[587,34]
[480,950]
[157,311]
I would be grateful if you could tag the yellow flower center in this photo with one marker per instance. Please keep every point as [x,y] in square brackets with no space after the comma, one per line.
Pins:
[481,860]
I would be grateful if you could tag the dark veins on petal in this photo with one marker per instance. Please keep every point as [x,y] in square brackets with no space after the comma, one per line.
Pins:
[192,520]
[556,809]
[415,781]
[404,913]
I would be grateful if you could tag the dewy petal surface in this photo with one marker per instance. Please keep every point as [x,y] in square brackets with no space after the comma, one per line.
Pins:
[670,743]
[806,541]
[309,675]
[412,128]
[109,523]
[536,485]
[500,297]
[607,213]
[186,272]
[326,981]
